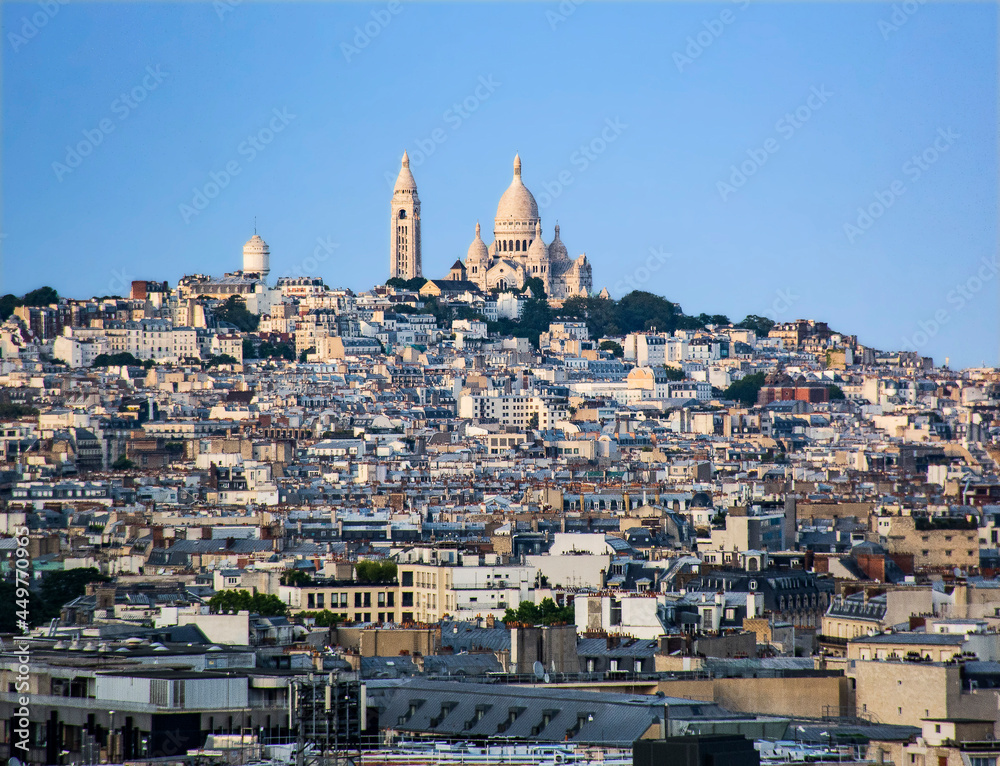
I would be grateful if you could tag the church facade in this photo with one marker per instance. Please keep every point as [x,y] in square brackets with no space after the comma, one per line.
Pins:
[518,251]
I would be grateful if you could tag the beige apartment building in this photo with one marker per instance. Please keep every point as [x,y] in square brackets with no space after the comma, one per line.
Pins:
[355,601]
[933,541]
[907,693]
[425,592]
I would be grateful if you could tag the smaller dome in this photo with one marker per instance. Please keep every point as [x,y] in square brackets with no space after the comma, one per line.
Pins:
[477,250]
[405,181]
[557,250]
[537,248]
[256,245]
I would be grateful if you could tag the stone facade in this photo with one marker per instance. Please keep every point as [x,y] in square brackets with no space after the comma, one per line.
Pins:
[518,252]
[404,239]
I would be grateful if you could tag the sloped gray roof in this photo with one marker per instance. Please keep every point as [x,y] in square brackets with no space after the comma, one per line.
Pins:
[540,714]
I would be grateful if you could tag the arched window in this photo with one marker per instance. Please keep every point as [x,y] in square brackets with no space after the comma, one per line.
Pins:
[517,245]
[510,245]
[402,214]
[525,245]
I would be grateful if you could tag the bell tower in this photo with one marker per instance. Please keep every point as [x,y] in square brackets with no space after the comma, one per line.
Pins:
[404,226]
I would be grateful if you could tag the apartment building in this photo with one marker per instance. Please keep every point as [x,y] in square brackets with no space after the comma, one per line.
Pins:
[349,600]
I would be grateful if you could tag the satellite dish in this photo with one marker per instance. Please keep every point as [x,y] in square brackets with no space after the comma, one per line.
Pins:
[539,670]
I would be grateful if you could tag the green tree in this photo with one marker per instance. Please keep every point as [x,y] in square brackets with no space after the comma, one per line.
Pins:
[376,571]
[234,311]
[322,619]
[14,411]
[714,319]
[746,389]
[547,612]
[7,305]
[59,588]
[399,283]
[614,348]
[836,392]
[760,325]
[533,421]
[43,296]
[536,286]
[639,311]
[216,359]
[535,319]
[122,464]
[306,352]
[295,577]
[122,358]
[264,604]
[673,373]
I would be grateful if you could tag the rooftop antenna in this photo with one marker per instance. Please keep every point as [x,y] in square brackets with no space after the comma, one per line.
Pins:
[255,224]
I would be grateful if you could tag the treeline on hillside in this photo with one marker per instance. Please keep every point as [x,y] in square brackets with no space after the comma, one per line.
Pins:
[43,296]
[638,311]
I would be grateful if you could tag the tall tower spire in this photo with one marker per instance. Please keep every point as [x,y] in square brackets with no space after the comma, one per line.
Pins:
[404,226]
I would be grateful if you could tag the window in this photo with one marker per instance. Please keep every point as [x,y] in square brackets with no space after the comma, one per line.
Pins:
[357,599]
[392,599]
[407,579]
[320,600]
[408,598]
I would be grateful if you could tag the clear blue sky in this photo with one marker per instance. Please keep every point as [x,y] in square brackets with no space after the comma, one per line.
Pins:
[776,245]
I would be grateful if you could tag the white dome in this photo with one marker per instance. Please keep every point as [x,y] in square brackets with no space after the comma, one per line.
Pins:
[477,250]
[537,248]
[557,250]
[517,203]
